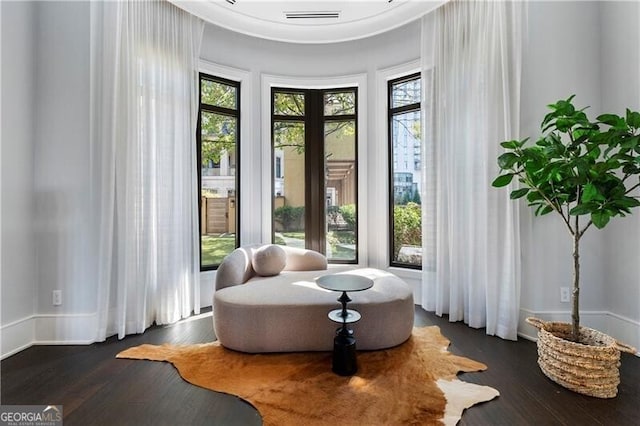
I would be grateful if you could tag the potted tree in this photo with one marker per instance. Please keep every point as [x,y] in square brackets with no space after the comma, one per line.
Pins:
[585,172]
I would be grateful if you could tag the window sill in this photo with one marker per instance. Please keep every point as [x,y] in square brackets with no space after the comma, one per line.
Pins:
[413,274]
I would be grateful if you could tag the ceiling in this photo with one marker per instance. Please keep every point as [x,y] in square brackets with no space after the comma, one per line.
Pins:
[306,21]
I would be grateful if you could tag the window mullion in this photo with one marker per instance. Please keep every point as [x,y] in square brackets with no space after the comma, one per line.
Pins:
[405,108]
[219,110]
[314,170]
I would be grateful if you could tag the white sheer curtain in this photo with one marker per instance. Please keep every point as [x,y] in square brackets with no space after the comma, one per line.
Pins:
[144,94]
[471,57]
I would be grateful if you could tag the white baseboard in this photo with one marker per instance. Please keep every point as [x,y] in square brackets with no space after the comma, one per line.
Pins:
[66,329]
[16,336]
[621,328]
[52,329]
[79,329]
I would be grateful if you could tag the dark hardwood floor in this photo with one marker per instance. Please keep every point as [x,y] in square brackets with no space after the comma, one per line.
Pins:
[95,388]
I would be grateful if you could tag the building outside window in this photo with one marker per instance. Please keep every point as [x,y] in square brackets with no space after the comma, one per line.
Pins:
[218,139]
[405,172]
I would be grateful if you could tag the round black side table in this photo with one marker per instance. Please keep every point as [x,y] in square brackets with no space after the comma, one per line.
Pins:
[344,343]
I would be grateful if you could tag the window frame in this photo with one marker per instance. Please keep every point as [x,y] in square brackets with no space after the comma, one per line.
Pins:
[314,120]
[231,113]
[391,112]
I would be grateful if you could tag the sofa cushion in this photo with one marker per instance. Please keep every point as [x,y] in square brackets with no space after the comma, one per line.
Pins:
[299,259]
[236,268]
[269,260]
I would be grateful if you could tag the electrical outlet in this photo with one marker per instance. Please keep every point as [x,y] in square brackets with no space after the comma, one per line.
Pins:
[57,297]
[565,294]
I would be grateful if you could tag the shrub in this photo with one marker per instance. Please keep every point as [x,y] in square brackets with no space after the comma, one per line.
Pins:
[288,216]
[407,226]
[348,212]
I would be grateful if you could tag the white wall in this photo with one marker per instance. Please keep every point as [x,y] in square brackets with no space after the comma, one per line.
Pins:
[45,173]
[620,69]
[589,49]
[61,181]
[18,278]
[555,70]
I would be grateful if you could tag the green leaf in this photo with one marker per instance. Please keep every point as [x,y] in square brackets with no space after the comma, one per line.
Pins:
[512,144]
[633,119]
[581,209]
[582,167]
[627,202]
[543,209]
[503,180]
[547,118]
[589,192]
[542,142]
[549,126]
[600,218]
[610,119]
[629,142]
[594,152]
[519,193]
[534,196]
[546,210]
[564,124]
[623,156]
[565,107]
[533,153]
[507,160]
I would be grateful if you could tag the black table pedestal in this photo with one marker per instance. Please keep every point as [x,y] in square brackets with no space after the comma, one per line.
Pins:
[344,353]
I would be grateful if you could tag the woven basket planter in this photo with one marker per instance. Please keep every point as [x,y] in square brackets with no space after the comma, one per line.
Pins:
[590,367]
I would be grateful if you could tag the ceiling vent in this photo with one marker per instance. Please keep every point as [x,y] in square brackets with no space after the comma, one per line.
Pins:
[312,15]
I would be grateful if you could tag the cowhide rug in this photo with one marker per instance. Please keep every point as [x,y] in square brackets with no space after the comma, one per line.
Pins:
[414,383]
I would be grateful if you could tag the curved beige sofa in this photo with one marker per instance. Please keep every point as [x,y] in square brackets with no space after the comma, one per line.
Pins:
[288,312]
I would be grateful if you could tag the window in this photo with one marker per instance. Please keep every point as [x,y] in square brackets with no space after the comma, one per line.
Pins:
[315,182]
[405,145]
[217,138]
[279,167]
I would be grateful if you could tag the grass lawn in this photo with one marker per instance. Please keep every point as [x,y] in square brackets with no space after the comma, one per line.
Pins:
[296,235]
[216,247]
[337,252]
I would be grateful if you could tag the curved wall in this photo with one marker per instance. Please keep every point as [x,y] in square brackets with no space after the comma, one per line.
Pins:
[326,60]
